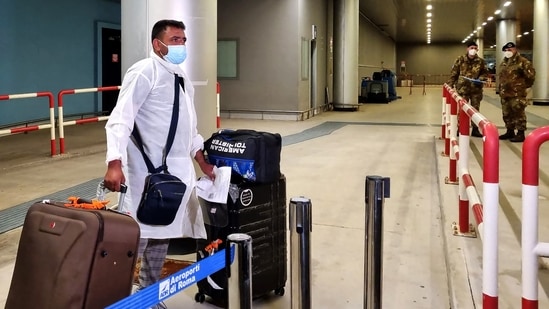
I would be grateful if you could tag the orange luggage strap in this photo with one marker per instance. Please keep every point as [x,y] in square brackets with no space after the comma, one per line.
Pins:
[77,202]
[213,246]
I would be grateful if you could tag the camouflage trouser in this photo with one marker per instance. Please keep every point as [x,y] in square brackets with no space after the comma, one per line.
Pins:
[513,112]
[474,99]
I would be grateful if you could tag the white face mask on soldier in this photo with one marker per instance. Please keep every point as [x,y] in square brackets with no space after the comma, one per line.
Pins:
[472,52]
[508,54]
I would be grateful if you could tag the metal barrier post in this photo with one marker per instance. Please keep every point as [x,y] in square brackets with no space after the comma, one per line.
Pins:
[300,251]
[377,189]
[239,273]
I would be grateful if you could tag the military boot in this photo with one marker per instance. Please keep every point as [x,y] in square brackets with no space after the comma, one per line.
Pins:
[519,138]
[509,134]
[475,132]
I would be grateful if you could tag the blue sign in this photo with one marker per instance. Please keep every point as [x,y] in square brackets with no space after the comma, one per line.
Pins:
[175,283]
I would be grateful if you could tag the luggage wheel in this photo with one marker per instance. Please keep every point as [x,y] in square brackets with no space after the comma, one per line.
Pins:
[199,297]
[279,291]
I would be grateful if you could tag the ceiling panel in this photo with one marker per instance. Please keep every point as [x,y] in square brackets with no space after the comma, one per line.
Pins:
[453,20]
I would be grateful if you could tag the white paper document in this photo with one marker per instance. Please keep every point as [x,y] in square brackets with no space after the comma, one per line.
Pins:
[215,191]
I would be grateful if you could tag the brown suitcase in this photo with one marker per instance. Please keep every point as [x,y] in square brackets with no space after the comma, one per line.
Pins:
[73,258]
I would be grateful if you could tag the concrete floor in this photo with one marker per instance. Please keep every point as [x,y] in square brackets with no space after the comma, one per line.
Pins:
[424,265]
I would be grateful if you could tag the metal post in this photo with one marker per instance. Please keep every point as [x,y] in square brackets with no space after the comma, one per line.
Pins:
[239,273]
[300,251]
[377,188]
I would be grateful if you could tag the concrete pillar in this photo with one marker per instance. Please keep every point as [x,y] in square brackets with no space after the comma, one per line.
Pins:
[540,94]
[505,32]
[200,19]
[480,43]
[480,32]
[345,44]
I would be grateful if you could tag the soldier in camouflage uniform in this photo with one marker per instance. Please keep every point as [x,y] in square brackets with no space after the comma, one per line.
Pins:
[516,74]
[468,75]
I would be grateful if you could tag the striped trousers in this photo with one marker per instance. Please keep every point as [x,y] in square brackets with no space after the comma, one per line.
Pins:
[152,253]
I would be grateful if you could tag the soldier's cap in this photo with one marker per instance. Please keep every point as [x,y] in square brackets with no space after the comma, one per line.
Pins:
[508,45]
[471,43]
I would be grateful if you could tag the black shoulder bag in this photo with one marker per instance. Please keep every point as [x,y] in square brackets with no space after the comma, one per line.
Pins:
[163,192]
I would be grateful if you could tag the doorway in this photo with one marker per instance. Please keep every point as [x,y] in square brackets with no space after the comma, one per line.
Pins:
[313,79]
[108,65]
[111,67]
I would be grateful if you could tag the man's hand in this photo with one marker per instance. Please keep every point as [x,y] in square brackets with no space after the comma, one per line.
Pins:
[114,176]
[208,170]
[205,167]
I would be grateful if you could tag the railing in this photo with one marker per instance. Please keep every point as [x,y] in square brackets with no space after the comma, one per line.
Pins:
[15,128]
[532,249]
[50,125]
[423,79]
[63,123]
[449,114]
[486,215]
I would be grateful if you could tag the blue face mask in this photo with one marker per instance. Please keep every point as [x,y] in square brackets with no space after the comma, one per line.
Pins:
[176,53]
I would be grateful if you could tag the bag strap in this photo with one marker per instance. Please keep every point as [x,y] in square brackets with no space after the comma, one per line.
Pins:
[171,134]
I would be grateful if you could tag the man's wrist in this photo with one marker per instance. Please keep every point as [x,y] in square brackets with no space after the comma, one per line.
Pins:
[114,163]
[199,157]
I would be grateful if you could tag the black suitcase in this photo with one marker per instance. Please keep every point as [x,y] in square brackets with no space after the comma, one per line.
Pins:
[253,155]
[259,210]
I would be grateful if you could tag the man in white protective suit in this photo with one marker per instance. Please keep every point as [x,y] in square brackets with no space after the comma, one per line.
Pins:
[146,99]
